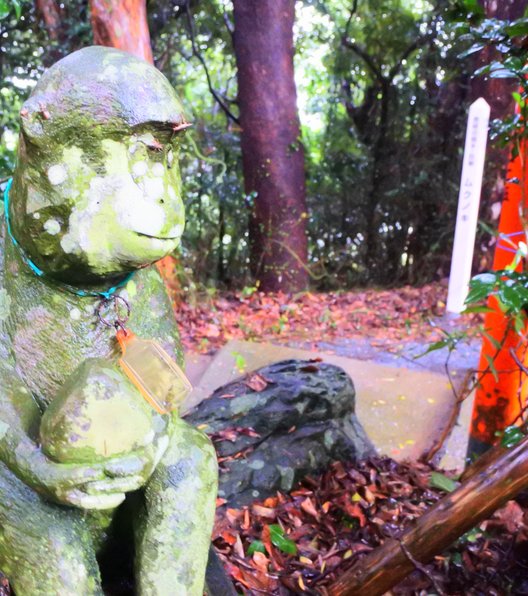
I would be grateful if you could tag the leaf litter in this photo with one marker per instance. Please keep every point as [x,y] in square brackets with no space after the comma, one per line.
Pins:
[301,542]
[401,315]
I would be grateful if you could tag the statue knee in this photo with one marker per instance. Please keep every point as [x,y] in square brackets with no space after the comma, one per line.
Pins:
[190,458]
[62,566]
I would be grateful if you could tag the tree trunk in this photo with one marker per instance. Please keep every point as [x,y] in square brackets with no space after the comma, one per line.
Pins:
[484,490]
[122,24]
[273,157]
[378,158]
[498,93]
[52,17]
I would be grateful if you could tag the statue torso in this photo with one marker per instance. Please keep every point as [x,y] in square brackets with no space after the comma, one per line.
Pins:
[47,331]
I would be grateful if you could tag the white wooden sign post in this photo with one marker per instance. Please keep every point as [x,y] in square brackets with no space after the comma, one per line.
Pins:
[468,204]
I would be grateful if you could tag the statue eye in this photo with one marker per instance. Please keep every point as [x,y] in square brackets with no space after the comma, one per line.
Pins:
[154,145]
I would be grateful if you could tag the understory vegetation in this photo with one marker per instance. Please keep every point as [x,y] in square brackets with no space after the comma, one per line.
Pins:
[382,92]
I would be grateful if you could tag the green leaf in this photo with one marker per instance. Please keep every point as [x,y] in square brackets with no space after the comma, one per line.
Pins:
[472,536]
[513,295]
[5,9]
[256,546]
[473,7]
[280,541]
[499,70]
[518,99]
[511,436]
[437,345]
[240,361]
[494,342]
[477,47]
[6,6]
[442,482]
[519,323]
[492,368]
[18,8]
[482,70]
[476,309]
[488,229]
[480,287]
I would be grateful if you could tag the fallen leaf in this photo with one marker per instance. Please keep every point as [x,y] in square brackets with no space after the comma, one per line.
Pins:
[256,382]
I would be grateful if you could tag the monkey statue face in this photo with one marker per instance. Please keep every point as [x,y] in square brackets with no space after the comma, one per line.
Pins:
[97,189]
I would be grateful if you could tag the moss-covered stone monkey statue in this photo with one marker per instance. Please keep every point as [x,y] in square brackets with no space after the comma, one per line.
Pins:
[95,200]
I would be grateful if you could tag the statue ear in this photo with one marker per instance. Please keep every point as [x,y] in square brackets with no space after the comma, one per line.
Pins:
[33,119]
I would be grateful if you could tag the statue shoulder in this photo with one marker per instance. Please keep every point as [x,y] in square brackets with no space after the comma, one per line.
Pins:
[151,310]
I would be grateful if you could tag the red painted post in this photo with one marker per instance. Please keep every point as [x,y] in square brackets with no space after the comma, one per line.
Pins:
[498,402]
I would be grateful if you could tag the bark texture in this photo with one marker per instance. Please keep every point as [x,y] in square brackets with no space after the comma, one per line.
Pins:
[122,24]
[498,93]
[484,490]
[52,17]
[273,157]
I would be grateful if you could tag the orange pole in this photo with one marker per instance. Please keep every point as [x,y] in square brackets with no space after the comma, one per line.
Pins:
[499,401]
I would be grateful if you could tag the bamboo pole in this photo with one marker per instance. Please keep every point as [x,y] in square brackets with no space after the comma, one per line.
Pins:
[486,490]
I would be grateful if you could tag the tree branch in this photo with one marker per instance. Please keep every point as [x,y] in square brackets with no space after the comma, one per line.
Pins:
[416,45]
[198,55]
[229,25]
[367,59]
[353,11]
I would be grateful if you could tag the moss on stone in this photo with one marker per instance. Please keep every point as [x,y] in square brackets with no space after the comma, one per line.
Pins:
[96,194]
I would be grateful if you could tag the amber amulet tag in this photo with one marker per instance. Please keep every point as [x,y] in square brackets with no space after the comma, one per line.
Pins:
[158,378]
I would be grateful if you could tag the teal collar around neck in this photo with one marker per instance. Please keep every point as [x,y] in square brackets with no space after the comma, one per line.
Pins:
[105,294]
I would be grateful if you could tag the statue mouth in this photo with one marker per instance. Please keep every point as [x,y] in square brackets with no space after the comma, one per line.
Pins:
[164,238]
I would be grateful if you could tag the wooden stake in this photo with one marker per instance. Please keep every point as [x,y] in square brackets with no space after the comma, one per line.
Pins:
[486,490]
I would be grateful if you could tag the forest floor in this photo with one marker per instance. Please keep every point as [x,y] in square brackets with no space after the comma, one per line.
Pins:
[300,542]
[364,324]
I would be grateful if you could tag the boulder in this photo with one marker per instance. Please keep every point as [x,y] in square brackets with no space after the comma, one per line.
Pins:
[279,424]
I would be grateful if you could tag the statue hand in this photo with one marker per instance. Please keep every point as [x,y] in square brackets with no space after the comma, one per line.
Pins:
[63,483]
[93,486]
[122,475]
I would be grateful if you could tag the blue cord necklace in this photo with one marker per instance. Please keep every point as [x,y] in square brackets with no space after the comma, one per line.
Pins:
[105,295]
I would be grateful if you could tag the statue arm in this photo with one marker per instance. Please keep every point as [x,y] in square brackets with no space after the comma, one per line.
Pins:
[97,486]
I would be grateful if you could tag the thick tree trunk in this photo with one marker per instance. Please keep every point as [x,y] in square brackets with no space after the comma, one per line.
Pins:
[52,17]
[273,157]
[122,24]
[485,489]
[498,93]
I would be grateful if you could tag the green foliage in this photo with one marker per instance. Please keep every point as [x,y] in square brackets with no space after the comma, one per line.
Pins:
[256,546]
[508,39]
[450,341]
[511,436]
[510,288]
[26,50]
[8,6]
[442,482]
[383,160]
[382,130]
[279,539]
